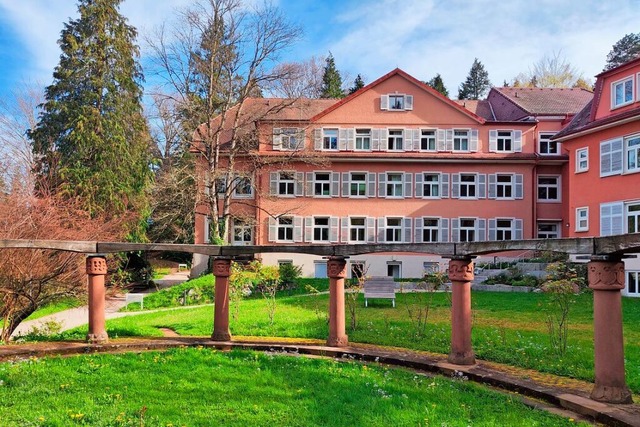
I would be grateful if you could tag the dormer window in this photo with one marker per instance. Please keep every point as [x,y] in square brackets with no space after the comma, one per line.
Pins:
[622,92]
[396,102]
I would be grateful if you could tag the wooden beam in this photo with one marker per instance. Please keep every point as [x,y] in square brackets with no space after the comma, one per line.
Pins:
[61,245]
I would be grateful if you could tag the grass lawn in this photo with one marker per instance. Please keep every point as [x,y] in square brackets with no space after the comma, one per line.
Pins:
[508,328]
[200,387]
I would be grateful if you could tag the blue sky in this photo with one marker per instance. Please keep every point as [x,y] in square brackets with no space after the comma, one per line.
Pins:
[370,37]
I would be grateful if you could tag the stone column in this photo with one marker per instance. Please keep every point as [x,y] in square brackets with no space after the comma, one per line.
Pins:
[96,270]
[221,271]
[337,271]
[606,278]
[461,275]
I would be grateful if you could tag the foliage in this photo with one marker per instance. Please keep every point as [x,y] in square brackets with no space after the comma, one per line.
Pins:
[353,288]
[253,277]
[195,291]
[298,79]
[358,84]
[419,308]
[91,141]
[289,274]
[331,80]
[551,71]
[438,84]
[513,277]
[624,50]
[477,82]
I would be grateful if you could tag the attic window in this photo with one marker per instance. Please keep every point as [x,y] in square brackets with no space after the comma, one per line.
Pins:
[396,102]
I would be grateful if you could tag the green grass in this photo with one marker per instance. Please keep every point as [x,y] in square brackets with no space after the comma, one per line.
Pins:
[160,272]
[56,307]
[200,387]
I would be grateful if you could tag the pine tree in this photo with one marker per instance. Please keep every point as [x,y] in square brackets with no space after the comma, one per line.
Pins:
[477,82]
[624,50]
[331,80]
[438,85]
[358,84]
[92,140]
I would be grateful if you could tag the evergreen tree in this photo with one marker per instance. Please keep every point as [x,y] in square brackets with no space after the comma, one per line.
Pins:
[476,84]
[438,85]
[91,140]
[624,50]
[358,84]
[331,80]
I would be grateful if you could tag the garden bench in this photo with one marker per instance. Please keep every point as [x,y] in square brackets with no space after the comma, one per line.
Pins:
[380,287]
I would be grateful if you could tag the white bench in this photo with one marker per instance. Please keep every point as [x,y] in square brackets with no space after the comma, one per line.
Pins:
[380,287]
[130,298]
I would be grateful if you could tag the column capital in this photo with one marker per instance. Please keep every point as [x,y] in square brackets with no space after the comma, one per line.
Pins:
[337,268]
[222,267]
[606,275]
[96,264]
[461,270]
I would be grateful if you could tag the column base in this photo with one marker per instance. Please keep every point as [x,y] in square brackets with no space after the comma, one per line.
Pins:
[609,394]
[342,341]
[467,358]
[101,338]
[221,336]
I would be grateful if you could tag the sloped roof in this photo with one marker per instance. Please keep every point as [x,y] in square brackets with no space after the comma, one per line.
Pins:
[480,108]
[541,101]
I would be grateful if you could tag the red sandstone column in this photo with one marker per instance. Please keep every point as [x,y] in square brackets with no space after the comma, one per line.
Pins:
[461,275]
[221,271]
[337,271]
[96,269]
[606,278]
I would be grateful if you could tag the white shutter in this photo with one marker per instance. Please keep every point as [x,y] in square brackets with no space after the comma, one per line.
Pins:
[382,181]
[417,237]
[611,157]
[493,141]
[344,229]
[335,184]
[519,186]
[333,229]
[277,140]
[371,230]
[308,229]
[384,143]
[419,185]
[345,184]
[611,219]
[455,230]
[482,230]
[416,140]
[449,140]
[371,184]
[455,186]
[407,185]
[273,183]
[616,156]
[492,229]
[342,139]
[408,230]
[317,139]
[492,186]
[297,229]
[407,142]
[519,229]
[408,102]
[375,139]
[299,184]
[384,102]
[473,143]
[381,230]
[444,230]
[517,141]
[440,140]
[444,185]
[482,186]
[351,139]
[273,229]
[309,186]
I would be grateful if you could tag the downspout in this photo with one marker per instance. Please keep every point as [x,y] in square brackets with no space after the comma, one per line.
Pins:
[534,186]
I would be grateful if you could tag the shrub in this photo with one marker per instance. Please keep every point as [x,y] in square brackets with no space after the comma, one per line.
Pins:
[289,274]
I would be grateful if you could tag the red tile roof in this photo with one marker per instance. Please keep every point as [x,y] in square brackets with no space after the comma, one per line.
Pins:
[480,108]
[538,101]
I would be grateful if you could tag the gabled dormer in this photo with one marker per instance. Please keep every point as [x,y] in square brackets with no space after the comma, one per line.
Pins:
[617,91]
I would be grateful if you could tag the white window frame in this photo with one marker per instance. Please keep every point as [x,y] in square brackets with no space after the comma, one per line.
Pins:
[460,139]
[405,104]
[393,186]
[396,230]
[622,83]
[468,186]
[582,160]
[320,228]
[501,231]
[431,185]
[545,137]
[632,276]
[287,182]
[468,229]
[549,234]
[238,184]
[357,229]
[557,186]
[395,141]
[635,216]
[431,229]
[582,219]
[241,228]
[322,183]
[362,137]
[288,139]
[429,138]
[281,225]
[506,139]
[510,186]
[363,183]
[328,139]
[632,152]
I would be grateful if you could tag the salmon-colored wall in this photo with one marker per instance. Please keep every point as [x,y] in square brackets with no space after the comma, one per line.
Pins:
[604,106]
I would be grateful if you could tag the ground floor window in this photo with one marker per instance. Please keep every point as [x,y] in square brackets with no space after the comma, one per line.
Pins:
[242,232]
[394,269]
[548,230]
[633,283]
[357,270]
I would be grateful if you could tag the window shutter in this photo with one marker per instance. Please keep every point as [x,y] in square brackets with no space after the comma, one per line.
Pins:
[416,140]
[419,185]
[440,140]
[371,184]
[449,140]
[616,156]
[333,229]
[482,186]
[492,229]
[384,143]
[384,102]
[444,230]
[277,141]
[517,141]
[519,186]
[493,141]
[299,184]
[297,229]
[273,229]
[473,143]
[519,227]
[273,183]
[345,184]
[444,185]
[455,186]
[375,139]
[611,219]
[344,229]
[335,184]
[417,237]
[317,139]
[408,102]
[407,185]
[381,230]
[309,184]
[351,139]
[371,230]
[482,230]
[382,180]
[408,230]
[611,157]
[407,141]
[308,229]
[492,186]
[455,230]
[342,139]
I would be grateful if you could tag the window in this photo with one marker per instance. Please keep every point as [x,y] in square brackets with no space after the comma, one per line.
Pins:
[467,186]
[632,150]
[549,188]
[242,232]
[430,228]
[395,139]
[286,183]
[504,229]
[428,140]
[285,229]
[460,140]
[633,217]
[582,219]
[622,92]
[611,157]
[357,269]
[429,267]
[357,229]
[467,230]
[504,186]
[504,141]
[431,185]
[394,230]
[633,283]
[396,102]
[582,160]
[394,185]
[288,139]
[330,139]
[322,184]
[546,146]
[321,229]
[363,139]
[548,230]
[243,188]
[358,184]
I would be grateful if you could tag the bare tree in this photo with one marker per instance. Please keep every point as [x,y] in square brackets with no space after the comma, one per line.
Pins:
[299,79]
[550,71]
